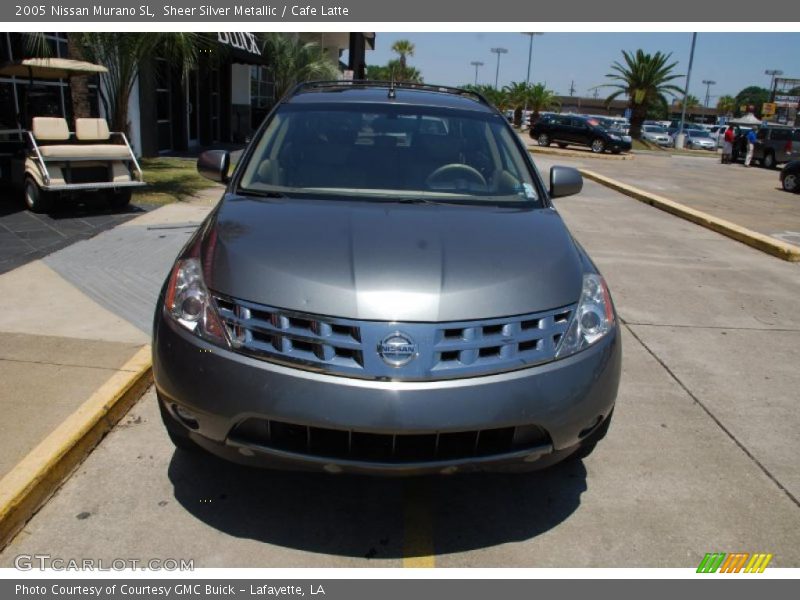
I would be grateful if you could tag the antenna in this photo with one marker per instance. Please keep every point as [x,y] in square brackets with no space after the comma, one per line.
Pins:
[392,93]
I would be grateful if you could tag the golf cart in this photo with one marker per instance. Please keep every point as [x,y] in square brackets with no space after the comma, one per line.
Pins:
[52,161]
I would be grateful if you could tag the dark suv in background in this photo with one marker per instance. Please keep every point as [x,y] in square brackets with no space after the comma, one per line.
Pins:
[775,145]
[566,130]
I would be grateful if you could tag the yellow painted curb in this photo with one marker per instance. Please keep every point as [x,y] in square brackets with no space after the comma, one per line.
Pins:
[754,239]
[37,476]
[544,151]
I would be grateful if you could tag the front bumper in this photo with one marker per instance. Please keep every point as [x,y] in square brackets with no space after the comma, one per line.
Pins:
[568,398]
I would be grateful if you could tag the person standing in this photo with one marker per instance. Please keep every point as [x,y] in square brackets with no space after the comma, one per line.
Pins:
[751,144]
[727,145]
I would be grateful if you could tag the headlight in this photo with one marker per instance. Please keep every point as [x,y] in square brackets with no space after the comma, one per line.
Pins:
[614,137]
[593,318]
[189,304]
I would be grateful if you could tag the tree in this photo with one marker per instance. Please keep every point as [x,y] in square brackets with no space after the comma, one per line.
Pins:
[291,61]
[393,72]
[691,102]
[517,94]
[498,98]
[540,98]
[645,80]
[726,105]
[404,49]
[122,54]
[753,96]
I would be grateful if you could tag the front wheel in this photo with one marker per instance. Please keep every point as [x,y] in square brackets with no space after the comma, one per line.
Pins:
[598,146]
[36,199]
[768,162]
[562,145]
[791,183]
[543,139]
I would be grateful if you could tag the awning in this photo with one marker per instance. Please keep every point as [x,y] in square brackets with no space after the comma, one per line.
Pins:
[50,68]
[749,120]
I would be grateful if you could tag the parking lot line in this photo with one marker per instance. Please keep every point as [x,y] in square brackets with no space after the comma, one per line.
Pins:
[417,526]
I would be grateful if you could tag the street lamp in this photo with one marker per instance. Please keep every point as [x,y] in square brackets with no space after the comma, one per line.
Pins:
[498,51]
[708,83]
[772,73]
[530,52]
[476,64]
[680,137]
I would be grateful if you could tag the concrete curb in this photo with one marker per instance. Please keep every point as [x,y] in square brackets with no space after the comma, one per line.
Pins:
[37,476]
[754,239]
[545,151]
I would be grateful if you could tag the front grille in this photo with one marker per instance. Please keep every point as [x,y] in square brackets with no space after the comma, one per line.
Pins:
[387,448]
[351,347]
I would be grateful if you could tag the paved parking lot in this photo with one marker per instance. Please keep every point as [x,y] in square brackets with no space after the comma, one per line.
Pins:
[701,456]
[26,236]
[750,197]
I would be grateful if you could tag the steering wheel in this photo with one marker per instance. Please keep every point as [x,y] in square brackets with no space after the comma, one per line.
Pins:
[455,171]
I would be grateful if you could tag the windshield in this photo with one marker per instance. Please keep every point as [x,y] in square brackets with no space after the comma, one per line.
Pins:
[654,129]
[699,134]
[390,152]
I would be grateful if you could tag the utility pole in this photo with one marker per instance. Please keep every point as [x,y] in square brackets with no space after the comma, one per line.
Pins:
[572,88]
[708,83]
[476,64]
[498,51]
[772,73]
[679,136]
[595,94]
[530,52]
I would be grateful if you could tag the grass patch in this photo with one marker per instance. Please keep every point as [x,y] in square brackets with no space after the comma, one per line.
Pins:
[170,180]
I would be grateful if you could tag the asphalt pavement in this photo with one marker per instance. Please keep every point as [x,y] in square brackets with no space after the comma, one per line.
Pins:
[701,456]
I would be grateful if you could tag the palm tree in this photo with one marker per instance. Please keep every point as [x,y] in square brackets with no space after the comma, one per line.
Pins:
[122,54]
[292,61]
[404,49]
[517,93]
[644,79]
[540,98]
[498,98]
[691,102]
[726,105]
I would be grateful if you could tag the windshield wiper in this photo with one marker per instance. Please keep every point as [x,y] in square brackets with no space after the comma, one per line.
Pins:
[261,193]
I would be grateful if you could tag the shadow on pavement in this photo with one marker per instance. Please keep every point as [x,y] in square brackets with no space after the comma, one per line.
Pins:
[358,516]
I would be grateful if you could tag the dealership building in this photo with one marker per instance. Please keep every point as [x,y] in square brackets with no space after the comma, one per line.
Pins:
[222,100]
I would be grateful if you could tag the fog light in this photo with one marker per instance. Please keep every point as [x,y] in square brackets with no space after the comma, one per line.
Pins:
[186,416]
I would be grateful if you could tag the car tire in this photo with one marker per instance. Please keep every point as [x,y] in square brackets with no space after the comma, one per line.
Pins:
[543,139]
[588,445]
[36,199]
[768,162]
[119,199]
[177,433]
[598,146]
[615,150]
[791,183]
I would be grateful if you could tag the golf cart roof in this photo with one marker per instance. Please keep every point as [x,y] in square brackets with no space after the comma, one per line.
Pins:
[50,68]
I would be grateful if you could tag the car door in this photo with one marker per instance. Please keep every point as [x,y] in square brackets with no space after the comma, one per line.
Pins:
[580,132]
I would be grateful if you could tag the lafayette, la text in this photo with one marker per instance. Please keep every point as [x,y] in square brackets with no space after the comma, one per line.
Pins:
[178,589]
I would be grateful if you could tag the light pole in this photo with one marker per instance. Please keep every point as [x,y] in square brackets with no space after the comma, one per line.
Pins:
[498,51]
[476,64]
[679,136]
[530,34]
[772,73]
[708,83]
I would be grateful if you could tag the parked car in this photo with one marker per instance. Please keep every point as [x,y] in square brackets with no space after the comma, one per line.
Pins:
[335,313]
[790,177]
[776,145]
[567,130]
[657,135]
[699,139]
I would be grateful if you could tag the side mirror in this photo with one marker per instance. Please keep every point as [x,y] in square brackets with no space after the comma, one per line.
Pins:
[565,181]
[214,165]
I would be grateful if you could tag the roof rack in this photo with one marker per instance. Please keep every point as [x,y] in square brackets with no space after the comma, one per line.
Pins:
[348,83]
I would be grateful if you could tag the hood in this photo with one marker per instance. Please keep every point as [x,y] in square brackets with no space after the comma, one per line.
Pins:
[387,261]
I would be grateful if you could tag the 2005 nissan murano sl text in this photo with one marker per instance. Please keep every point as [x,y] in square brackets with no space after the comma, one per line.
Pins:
[385,287]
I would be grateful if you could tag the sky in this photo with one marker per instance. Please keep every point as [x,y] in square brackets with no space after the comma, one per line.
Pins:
[733,60]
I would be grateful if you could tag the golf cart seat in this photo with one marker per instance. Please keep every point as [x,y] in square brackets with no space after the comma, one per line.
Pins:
[46,130]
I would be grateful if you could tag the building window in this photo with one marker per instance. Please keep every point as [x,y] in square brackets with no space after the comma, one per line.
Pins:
[262,89]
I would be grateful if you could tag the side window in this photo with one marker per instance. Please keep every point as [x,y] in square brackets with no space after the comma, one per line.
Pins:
[780,135]
[763,134]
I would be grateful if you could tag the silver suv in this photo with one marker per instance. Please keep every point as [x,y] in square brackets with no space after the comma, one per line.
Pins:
[386,287]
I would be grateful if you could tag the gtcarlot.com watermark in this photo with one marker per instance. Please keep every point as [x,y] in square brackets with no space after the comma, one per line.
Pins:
[43,562]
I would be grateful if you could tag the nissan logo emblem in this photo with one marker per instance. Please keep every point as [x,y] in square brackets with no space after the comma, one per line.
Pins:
[397,349]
